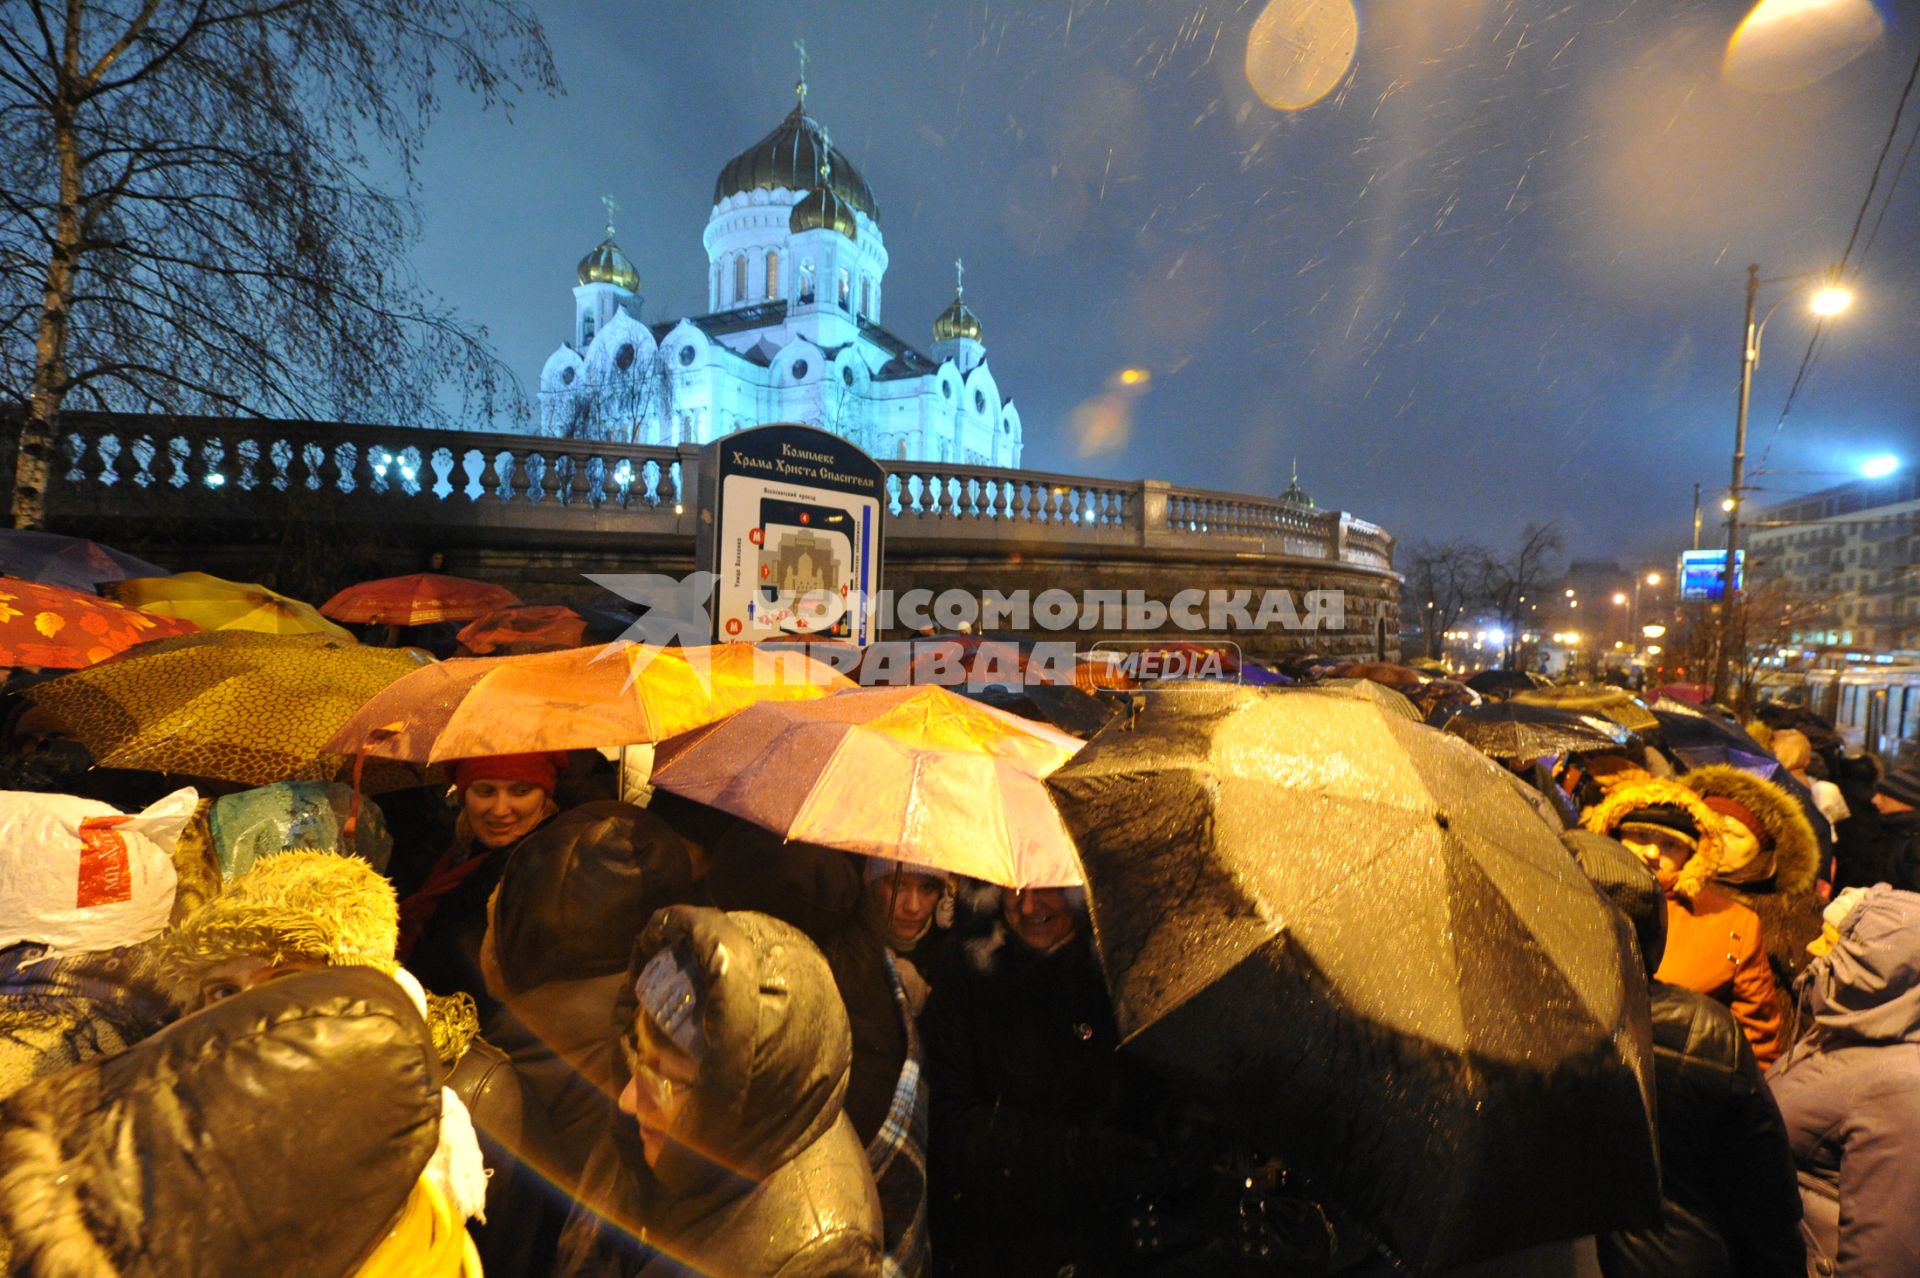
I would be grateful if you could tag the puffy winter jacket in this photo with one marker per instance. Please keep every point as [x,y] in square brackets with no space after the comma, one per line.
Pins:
[178,1156]
[764,1175]
[1850,1091]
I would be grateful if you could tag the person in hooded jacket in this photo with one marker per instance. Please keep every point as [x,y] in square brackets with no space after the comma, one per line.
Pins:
[502,799]
[1714,944]
[819,890]
[733,1155]
[561,924]
[1885,847]
[173,1157]
[1769,860]
[1729,1201]
[301,910]
[1040,1146]
[1850,1087]
[914,908]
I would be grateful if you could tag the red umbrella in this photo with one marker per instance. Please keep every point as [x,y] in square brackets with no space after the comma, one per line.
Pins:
[53,628]
[418,599]
[506,632]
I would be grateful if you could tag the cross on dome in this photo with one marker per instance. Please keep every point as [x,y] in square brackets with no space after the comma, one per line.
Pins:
[959,278]
[612,208]
[800,88]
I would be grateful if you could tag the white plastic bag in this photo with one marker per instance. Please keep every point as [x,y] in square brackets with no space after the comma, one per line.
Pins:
[78,875]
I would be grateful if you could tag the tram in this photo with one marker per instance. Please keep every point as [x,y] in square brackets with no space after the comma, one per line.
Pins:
[1875,708]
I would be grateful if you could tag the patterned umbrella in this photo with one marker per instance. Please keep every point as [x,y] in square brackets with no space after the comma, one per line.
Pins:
[1612,703]
[53,628]
[217,604]
[574,699]
[72,562]
[234,707]
[417,599]
[916,774]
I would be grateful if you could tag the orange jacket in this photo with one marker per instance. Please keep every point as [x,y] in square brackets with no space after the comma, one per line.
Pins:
[1714,948]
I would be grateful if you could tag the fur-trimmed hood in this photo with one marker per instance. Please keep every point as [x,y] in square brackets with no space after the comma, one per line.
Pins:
[1605,817]
[1796,849]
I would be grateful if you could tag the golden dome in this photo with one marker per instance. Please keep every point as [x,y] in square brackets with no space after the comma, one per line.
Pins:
[822,208]
[608,265]
[790,158]
[958,320]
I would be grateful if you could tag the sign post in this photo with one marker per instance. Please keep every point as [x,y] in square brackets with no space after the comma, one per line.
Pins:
[790,522]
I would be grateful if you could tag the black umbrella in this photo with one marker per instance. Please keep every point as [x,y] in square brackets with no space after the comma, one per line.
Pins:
[1697,736]
[1512,731]
[1349,934]
[1063,706]
[1502,683]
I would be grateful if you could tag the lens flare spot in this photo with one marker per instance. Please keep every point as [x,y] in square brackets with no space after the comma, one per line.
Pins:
[1783,45]
[1300,50]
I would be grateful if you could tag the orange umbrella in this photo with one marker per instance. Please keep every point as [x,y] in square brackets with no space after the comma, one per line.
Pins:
[53,628]
[574,699]
[539,628]
[916,774]
[417,599]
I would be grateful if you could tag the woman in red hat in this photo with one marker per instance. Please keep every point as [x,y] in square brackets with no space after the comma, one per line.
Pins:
[503,798]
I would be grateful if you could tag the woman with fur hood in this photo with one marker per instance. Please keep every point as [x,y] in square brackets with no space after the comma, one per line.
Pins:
[1714,944]
[1769,860]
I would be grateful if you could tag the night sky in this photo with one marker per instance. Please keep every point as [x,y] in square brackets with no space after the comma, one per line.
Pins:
[1496,277]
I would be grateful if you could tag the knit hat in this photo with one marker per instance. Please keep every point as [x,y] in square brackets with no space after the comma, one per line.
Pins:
[1902,785]
[1668,818]
[542,770]
[316,906]
[881,867]
[1741,813]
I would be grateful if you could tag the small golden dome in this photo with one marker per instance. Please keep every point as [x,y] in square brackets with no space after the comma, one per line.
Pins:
[608,265]
[822,209]
[958,320]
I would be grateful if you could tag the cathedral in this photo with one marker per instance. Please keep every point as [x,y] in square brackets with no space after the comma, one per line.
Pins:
[792,331]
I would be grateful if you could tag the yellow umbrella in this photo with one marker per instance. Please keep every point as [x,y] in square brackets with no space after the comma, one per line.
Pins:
[217,604]
[229,706]
[917,774]
[574,699]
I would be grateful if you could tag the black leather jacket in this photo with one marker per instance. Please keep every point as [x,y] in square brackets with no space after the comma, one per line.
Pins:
[1730,1202]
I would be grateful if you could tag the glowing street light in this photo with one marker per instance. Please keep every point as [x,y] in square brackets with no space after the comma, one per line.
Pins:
[1653,630]
[1619,596]
[1727,504]
[1653,579]
[1880,467]
[1831,301]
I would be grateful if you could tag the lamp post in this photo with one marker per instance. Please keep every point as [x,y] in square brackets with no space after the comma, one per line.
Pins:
[1828,302]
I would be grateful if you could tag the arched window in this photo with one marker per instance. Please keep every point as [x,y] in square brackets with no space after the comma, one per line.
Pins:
[903,448]
[845,293]
[866,296]
[586,330]
[773,273]
[740,279]
[806,283]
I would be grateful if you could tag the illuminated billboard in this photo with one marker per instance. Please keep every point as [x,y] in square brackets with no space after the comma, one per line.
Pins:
[1702,571]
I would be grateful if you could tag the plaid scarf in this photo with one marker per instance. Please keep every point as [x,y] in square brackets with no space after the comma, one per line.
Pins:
[897,1156]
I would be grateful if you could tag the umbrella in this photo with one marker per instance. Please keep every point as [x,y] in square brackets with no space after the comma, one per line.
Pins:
[72,562]
[1693,694]
[1063,706]
[1699,736]
[54,628]
[240,707]
[1378,693]
[214,603]
[1351,933]
[1503,683]
[573,699]
[1513,731]
[417,599]
[1399,678]
[1613,703]
[1440,699]
[524,628]
[916,774]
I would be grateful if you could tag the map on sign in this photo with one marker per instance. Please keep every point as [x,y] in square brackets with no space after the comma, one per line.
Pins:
[800,567]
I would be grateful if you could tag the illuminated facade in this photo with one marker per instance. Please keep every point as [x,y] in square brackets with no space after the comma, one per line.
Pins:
[792,329]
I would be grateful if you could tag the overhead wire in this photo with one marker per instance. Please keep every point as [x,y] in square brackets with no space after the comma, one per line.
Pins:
[1816,340]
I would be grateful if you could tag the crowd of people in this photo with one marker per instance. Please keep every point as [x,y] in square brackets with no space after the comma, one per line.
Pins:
[541,1022]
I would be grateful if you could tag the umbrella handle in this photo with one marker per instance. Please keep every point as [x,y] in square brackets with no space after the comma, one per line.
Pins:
[350,832]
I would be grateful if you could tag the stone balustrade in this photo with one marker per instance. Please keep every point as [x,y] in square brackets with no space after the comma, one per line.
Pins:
[227,470]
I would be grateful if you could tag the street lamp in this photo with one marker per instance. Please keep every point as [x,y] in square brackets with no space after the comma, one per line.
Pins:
[1828,301]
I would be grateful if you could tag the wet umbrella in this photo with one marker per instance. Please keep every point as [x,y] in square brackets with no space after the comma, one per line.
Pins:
[54,628]
[1512,731]
[1378,693]
[1609,702]
[1349,932]
[214,603]
[228,706]
[417,599]
[1440,699]
[1503,683]
[915,774]
[541,628]
[1399,678]
[1063,706]
[72,562]
[1698,737]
